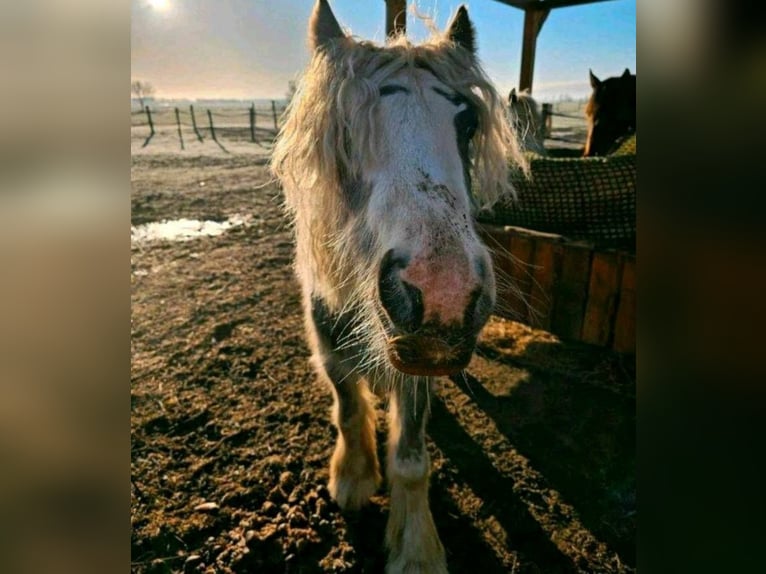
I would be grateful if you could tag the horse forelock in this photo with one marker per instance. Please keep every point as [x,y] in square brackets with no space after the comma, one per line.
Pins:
[338,94]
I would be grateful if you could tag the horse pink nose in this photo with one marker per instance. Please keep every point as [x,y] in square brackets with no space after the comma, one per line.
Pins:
[418,291]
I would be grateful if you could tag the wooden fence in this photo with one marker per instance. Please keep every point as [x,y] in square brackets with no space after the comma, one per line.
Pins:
[564,122]
[259,124]
[254,124]
[569,288]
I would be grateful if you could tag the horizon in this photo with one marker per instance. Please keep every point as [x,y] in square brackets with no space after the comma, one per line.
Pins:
[194,50]
[563,97]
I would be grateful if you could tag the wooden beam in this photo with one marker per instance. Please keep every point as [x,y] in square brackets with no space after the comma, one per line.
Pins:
[546,4]
[396,17]
[521,4]
[551,4]
[533,23]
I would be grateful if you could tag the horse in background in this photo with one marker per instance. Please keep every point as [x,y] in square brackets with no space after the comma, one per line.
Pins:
[527,121]
[610,112]
[376,157]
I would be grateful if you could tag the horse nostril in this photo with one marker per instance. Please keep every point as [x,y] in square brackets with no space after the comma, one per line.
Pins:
[402,301]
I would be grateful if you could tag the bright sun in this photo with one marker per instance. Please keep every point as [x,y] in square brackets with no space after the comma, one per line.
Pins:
[160,5]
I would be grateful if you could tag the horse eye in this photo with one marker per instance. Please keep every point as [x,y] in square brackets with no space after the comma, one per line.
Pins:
[392,89]
[467,122]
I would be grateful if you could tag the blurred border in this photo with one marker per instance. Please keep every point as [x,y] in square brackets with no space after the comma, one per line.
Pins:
[64,292]
[702,279]
[64,286]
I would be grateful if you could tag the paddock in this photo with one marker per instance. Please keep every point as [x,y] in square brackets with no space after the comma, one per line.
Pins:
[533,450]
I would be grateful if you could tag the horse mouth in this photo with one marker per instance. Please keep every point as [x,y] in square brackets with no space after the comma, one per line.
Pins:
[427,356]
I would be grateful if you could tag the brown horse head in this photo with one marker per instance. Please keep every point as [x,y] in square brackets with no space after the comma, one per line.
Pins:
[611,112]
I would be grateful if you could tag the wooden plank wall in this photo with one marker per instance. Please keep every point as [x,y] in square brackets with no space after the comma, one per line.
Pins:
[566,287]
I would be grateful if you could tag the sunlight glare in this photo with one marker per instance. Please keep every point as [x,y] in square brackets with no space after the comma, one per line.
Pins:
[160,5]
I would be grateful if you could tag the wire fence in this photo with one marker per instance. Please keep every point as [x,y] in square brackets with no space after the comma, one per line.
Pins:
[563,122]
[254,124]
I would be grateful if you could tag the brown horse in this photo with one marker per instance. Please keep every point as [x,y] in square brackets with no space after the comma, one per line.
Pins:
[611,112]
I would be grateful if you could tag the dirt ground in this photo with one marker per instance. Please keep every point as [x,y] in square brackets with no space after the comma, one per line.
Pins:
[533,450]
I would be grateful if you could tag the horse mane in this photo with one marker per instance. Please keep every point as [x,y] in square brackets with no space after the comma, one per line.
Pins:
[529,104]
[336,98]
[527,120]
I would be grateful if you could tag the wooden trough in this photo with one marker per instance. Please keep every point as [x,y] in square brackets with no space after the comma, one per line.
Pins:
[568,246]
[569,288]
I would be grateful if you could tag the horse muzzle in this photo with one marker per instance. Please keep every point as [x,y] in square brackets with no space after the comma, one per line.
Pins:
[428,356]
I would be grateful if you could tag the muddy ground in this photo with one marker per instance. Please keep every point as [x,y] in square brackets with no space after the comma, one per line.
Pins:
[533,451]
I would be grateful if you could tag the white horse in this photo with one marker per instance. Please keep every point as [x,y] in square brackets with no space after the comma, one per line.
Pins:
[527,121]
[376,157]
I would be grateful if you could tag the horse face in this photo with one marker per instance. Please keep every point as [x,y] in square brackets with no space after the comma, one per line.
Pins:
[387,238]
[435,281]
[611,112]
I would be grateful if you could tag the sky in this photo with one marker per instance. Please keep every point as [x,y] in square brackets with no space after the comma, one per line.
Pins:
[251,49]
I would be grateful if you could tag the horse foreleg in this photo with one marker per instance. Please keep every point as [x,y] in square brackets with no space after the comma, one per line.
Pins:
[354,467]
[414,545]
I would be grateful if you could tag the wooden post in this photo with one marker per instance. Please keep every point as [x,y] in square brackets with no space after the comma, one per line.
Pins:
[212,132]
[603,292]
[522,254]
[396,17]
[545,273]
[194,123]
[212,127]
[547,118]
[252,123]
[151,126]
[625,319]
[274,112]
[533,23]
[178,123]
[149,117]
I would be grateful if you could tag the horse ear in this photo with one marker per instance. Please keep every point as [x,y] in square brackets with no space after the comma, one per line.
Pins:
[323,26]
[513,97]
[594,81]
[626,73]
[461,30]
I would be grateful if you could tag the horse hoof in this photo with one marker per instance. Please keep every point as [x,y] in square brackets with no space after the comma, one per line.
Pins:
[352,493]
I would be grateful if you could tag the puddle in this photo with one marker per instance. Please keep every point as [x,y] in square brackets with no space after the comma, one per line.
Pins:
[184,229]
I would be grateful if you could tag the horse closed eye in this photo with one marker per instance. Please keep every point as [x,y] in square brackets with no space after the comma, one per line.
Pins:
[392,89]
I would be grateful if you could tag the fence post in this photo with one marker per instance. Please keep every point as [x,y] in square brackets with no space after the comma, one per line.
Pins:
[547,118]
[178,123]
[252,122]
[149,117]
[151,126]
[194,123]
[212,128]
[274,111]
[212,132]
